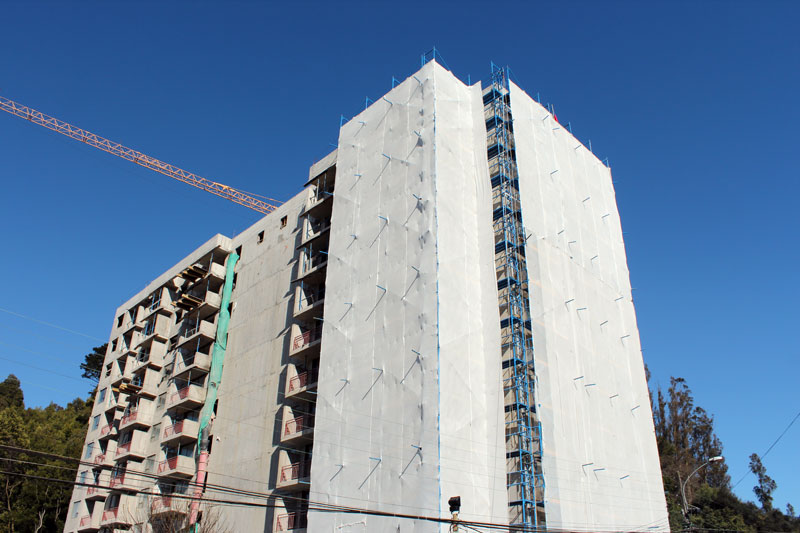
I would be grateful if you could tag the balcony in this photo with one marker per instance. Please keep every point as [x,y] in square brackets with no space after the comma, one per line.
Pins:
[294,476]
[117,480]
[311,267]
[160,306]
[188,397]
[151,354]
[139,417]
[168,505]
[319,203]
[297,429]
[199,298]
[300,384]
[179,466]
[309,302]
[120,372]
[194,363]
[305,342]
[90,522]
[112,405]
[200,270]
[107,432]
[130,450]
[95,493]
[132,325]
[114,516]
[294,522]
[157,327]
[313,229]
[202,331]
[104,459]
[184,431]
[143,383]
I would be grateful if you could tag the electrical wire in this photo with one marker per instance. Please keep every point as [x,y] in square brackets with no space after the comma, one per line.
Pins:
[55,326]
[771,445]
[314,506]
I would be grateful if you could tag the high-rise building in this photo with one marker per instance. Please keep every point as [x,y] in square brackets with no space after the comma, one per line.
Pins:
[444,310]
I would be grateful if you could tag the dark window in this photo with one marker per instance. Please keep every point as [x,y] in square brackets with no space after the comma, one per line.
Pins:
[283,221]
[260,237]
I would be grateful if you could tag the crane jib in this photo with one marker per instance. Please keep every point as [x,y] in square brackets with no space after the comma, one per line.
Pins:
[64,128]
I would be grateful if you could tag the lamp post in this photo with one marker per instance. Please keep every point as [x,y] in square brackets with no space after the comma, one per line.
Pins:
[714,459]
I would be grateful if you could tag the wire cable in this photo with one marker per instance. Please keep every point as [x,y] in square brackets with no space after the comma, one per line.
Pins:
[771,446]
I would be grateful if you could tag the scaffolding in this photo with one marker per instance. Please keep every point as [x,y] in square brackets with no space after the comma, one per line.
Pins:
[525,481]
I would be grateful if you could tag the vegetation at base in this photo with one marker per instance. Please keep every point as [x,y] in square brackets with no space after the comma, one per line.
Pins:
[686,440]
[29,505]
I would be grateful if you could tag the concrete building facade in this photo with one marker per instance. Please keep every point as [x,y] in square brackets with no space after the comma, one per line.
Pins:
[444,310]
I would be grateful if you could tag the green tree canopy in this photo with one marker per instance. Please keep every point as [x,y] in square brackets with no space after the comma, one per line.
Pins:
[11,393]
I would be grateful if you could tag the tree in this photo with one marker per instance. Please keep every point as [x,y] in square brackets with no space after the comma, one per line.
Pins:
[171,515]
[11,393]
[12,433]
[92,365]
[790,510]
[766,485]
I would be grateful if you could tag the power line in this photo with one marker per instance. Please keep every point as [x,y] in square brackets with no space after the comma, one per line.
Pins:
[314,506]
[771,445]
[41,369]
[56,326]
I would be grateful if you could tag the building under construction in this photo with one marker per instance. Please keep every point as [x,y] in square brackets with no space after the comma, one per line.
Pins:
[443,310]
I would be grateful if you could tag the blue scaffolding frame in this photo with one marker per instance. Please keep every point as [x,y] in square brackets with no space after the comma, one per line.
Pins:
[525,481]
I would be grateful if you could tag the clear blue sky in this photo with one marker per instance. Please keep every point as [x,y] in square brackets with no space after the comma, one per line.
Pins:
[694,103]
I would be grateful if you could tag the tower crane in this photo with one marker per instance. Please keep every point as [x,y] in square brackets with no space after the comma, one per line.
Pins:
[229,193]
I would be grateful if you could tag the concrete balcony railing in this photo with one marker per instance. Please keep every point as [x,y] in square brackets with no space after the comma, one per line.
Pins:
[152,355]
[183,431]
[90,522]
[187,397]
[121,374]
[103,459]
[308,302]
[298,428]
[294,522]
[144,383]
[108,431]
[294,476]
[304,341]
[195,363]
[179,466]
[95,493]
[202,270]
[157,327]
[312,264]
[302,384]
[114,516]
[117,480]
[141,416]
[130,450]
[319,201]
[199,298]
[168,504]
[201,331]
[312,230]
[113,404]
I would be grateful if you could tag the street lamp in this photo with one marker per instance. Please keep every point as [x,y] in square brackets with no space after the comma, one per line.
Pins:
[714,459]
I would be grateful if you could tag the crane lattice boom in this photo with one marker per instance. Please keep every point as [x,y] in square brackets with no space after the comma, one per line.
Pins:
[64,128]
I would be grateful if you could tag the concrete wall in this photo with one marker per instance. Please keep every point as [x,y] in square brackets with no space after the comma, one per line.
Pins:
[600,463]
[245,431]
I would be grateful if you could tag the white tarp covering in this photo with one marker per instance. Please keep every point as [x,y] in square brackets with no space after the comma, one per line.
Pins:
[409,406]
[600,462]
